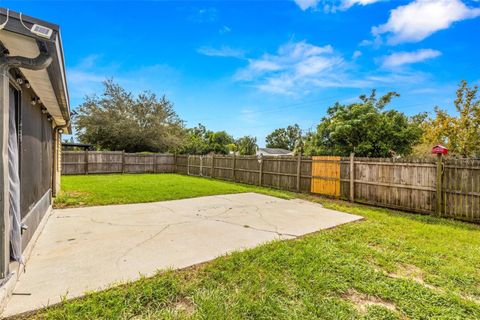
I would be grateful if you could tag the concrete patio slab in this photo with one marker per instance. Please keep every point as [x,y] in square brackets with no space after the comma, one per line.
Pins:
[85,249]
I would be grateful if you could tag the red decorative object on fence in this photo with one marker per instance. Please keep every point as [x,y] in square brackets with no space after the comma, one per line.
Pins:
[439,149]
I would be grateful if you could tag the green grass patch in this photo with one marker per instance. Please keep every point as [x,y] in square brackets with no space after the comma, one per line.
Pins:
[393,265]
[91,190]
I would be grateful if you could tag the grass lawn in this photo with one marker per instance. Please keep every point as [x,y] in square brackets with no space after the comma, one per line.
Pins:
[91,190]
[393,265]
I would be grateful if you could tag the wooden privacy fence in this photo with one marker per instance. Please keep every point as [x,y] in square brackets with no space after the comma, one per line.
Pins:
[88,162]
[287,173]
[450,190]
[404,184]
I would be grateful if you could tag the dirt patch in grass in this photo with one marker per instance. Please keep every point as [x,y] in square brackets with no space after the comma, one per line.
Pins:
[184,306]
[362,301]
[412,272]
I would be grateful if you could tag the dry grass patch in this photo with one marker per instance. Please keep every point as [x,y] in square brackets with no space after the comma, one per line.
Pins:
[412,272]
[184,306]
[362,302]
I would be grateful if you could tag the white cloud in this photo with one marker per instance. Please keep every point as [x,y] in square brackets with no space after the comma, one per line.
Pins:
[204,15]
[224,30]
[332,5]
[307,4]
[421,18]
[293,68]
[248,115]
[398,59]
[357,54]
[345,4]
[396,78]
[89,61]
[221,52]
[298,68]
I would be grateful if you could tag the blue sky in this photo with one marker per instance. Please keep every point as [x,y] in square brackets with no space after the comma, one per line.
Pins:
[249,67]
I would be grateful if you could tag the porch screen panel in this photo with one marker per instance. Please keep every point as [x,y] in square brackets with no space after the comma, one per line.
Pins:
[36,156]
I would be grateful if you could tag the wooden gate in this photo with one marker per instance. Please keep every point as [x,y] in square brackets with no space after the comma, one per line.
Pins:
[326,176]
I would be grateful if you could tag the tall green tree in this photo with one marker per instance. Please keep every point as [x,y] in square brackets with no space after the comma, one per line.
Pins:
[247,145]
[366,129]
[196,141]
[285,138]
[117,120]
[460,133]
[218,142]
[200,141]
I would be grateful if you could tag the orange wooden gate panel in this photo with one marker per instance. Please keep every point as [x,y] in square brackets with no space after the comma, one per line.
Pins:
[326,175]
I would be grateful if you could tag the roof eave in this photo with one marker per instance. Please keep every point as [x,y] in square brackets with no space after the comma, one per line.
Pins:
[56,70]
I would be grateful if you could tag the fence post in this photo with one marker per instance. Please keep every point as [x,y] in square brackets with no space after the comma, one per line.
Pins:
[352,177]
[175,169]
[260,175]
[438,208]
[123,161]
[188,165]
[299,167]
[212,173]
[155,163]
[233,166]
[201,166]
[86,161]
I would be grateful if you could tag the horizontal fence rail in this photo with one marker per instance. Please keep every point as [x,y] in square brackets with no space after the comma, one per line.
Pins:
[408,184]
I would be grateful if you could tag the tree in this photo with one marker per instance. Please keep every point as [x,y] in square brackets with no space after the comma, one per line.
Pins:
[232,148]
[310,143]
[200,141]
[117,120]
[460,134]
[247,145]
[196,141]
[366,129]
[218,142]
[285,138]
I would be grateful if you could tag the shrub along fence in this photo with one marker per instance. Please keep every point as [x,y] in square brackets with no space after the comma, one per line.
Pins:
[449,188]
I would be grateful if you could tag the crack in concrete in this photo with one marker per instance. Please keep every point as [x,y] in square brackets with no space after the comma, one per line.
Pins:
[136,225]
[208,208]
[156,234]
[222,213]
[67,217]
[131,225]
[280,234]
[225,198]
[257,210]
